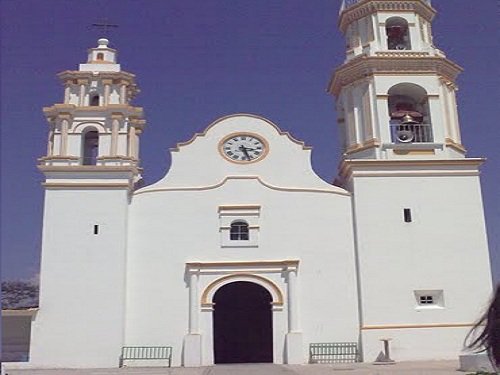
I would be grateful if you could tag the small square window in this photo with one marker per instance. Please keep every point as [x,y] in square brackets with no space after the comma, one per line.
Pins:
[428,299]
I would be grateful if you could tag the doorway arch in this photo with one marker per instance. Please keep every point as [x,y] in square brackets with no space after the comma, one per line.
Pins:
[242,323]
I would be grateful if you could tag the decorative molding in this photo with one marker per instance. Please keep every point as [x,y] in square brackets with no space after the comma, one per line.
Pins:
[364,146]
[268,284]
[454,145]
[20,312]
[366,7]
[85,185]
[413,326]
[87,168]
[409,167]
[363,66]
[334,190]
[204,133]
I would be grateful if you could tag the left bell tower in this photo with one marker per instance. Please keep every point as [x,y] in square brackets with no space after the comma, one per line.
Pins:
[91,169]
[95,125]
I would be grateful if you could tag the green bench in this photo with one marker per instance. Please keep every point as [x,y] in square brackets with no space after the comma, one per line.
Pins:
[333,352]
[146,352]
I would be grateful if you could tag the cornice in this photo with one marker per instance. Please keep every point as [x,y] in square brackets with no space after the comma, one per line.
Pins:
[76,74]
[365,66]
[366,7]
[88,169]
[60,109]
[388,168]
[204,133]
[86,185]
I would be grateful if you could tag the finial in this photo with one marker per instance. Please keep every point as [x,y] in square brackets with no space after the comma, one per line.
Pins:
[103,43]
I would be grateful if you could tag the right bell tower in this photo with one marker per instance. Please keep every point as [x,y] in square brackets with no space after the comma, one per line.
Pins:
[396,90]
[422,255]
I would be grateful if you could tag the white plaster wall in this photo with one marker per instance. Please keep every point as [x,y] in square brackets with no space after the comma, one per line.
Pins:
[81,316]
[443,248]
[302,217]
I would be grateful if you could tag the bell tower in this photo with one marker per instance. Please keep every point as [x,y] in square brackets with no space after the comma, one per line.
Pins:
[422,254]
[395,91]
[91,169]
[95,125]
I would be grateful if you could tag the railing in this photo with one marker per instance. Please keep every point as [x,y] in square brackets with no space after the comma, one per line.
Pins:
[346,4]
[411,133]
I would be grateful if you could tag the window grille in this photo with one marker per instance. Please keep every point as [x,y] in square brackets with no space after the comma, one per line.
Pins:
[239,231]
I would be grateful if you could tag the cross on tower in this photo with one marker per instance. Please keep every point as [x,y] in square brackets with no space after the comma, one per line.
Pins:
[105,26]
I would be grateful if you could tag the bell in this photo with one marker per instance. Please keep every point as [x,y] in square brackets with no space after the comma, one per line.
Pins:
[408,119]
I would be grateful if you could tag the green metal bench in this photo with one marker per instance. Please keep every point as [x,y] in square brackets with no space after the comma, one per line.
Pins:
[333,352]
[146,352]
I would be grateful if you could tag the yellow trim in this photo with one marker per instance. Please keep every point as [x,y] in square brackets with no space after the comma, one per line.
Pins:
[413,152]
[221,281]
[237,134]
[20,312]
[204,133]
[411,326]
[251,263]
[361,147]
[457,146]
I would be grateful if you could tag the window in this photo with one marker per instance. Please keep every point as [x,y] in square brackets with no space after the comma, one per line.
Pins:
[94,100]
[100,56]
[429,299]
[410,120]
[239,225]
[90,147]
[407,215]
[426,300]
[239,231]
[398,36]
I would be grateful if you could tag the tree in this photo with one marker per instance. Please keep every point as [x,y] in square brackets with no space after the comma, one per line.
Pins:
[19,294]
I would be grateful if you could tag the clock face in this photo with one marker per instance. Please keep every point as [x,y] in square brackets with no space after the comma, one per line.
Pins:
[243,148]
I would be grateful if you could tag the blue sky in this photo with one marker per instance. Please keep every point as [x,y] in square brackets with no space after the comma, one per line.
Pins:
[196,61]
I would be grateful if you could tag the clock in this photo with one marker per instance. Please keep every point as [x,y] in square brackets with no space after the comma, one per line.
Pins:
[243,147]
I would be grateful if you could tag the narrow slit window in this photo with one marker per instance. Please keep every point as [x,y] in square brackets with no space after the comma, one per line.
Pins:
[96,229]
[407,215]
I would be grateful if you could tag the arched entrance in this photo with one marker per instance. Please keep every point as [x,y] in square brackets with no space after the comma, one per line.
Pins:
[243,326]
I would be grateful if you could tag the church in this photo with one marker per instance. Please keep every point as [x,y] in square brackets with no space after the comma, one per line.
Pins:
[241,253]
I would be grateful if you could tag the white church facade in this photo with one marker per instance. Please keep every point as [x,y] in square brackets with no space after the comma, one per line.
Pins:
[241,253]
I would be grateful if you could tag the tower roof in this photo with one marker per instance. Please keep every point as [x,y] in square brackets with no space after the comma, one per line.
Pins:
[101,58]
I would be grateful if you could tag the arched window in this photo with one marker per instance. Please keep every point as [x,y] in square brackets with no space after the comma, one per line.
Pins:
[409,113]
[398,34]
[239,230]
[100,56]
[94,100]
[90,147]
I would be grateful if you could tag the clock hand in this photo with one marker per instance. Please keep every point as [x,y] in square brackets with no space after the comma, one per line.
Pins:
[245,151]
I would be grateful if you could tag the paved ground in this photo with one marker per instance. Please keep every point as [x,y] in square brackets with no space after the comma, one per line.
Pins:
[403,368]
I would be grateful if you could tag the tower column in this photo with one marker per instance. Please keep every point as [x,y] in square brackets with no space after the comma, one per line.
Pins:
[115,125]
[123,93]
[67,91]
[107,90]
[63,149]
[82,83]
[131,141]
